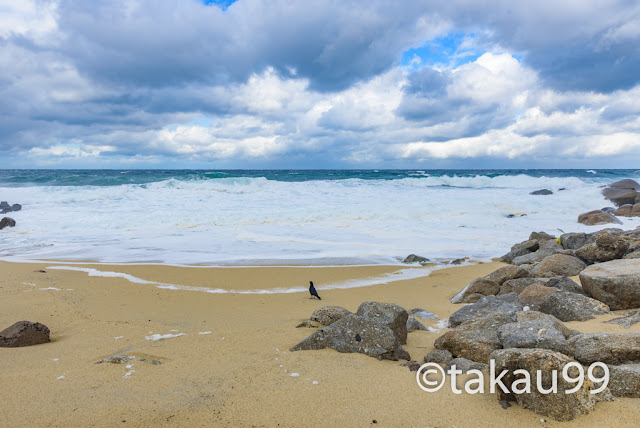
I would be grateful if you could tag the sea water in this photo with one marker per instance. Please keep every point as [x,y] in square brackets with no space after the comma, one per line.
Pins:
[294,217]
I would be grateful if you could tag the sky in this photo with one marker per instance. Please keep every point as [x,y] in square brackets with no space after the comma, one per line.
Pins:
[319,84]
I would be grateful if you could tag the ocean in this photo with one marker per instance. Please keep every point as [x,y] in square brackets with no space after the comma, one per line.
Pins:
[291,217]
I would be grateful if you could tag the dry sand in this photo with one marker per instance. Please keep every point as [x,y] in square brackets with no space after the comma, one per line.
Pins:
[239,375]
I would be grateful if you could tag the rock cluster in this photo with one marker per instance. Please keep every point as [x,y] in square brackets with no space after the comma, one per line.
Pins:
[625,194]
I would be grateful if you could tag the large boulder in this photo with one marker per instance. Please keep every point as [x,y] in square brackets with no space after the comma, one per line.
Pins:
[507,304]
[388,315]
[24,333]
[475,340]
[607,246]
[596,217]
[542,362]
[535,294]
[535,330]
[355,334]
[327,315]
[608,348]
[616,283]
[558,265]
[624,380]
[620,196]
[7,222]
[573,241]
[567,306]
[627,183]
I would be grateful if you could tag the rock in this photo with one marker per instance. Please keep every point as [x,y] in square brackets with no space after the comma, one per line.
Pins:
[567,306]
[4,204]
[542,192]
[531,258]
[511,255]
[551,245]
[465,365]
[413,365]
[624,380]
[24,333]
[507,304]
[387,314]
[610,210]
[558,265]
[327,315]
[624,210]
[627,183]
[542,362]
[530,245]
[627,321]
[608,348]
[413,325]
[478,288]
[7,222]
[541,237]
[506,273]
[616,283]
[573,241]
[439,356]
[620,196]
[355,334]
[308,324]
[535,294]
[565,284]
[412,258]
[607,246]
[535,330]
[16,207]
[476,339]
[594,218]
[424,314]
[635,211]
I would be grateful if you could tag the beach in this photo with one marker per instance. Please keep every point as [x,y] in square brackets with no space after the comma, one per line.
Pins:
[232,366]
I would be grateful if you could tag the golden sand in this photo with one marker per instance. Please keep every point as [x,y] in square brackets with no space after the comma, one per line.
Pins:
[240,373]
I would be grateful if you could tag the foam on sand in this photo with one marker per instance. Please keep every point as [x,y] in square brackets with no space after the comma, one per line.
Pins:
[156,337]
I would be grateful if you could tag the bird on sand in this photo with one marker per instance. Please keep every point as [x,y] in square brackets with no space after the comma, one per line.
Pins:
[312,290]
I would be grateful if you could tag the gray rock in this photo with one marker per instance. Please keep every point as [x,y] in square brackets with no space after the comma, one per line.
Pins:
[355,334]
[413,258]
[424,314]
[596,217]
[558,265]
[607,246]
[608,348]
[573,241]
[542,362]
[4,204]
[327,315]
[387,314]
[507,304]
[477,289]
[627,321]
[477,339]
[518,285]
[413,365]
[438,356]
[620,196]
[624,380]
[541,237]
[465,365]
[541,192]
[16,207]
[413,325]
[567,306]
[7,222]
[633,255]
[624,210]
[535,330]
[565,284]
[616,283]
[513,254]
[24,333]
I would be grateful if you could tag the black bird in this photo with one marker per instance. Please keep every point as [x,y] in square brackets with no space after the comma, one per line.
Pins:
[313,291]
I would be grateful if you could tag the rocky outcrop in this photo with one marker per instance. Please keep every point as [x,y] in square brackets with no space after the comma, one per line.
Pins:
[567,306]
[622,192]
[388,315]
[355,334]
[596,217]
[558,265]
[24,333]
[535,294]
[608,348]
[327,315]
[616,283]
[488,285]
[544,363]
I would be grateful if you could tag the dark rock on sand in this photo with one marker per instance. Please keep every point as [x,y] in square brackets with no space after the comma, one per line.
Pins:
[608,348]
[413,365]
[24,333]
[513,254]
[541,237]
[558,265]
[542,362]
[507,304]
[476,339]
[327,315]
[7,222]
[616,283]
[573,241]
[542,192]
[413,325]
[567,306]
[530,245]
[439,356]
[376,340]
[594,218]
[388,315]
[607,246]
[16,207]
[536,330]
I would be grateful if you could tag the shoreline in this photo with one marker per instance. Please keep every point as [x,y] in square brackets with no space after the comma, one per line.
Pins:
[232,375]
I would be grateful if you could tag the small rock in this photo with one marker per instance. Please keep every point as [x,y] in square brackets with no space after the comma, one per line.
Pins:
[608,348]
[465,365]
[535,330]
[24,333]
[387,314]
[507,304]
[535,294]
[624,380]
[558,265]
[412,258]
[573,241]
[607,246]
[424,314]
[542,192]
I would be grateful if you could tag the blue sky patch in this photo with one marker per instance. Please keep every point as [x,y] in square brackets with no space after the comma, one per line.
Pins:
[448,51]
[222,4]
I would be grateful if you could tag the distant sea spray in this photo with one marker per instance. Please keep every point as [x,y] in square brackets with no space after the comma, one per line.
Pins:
[289,216]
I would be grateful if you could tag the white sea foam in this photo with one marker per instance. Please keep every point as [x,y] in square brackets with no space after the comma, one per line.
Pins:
[156,337]
[205,332]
